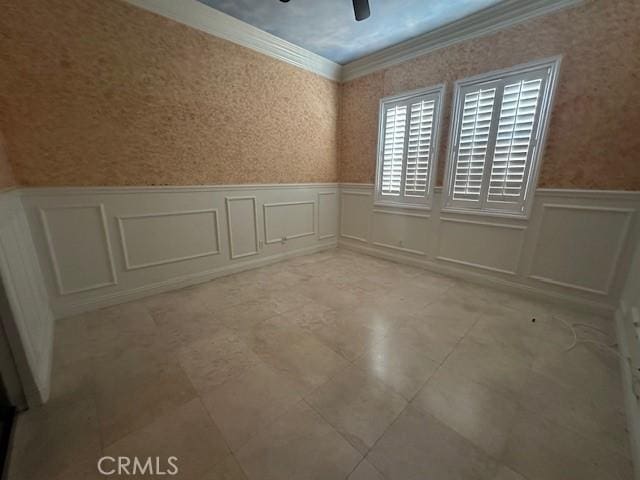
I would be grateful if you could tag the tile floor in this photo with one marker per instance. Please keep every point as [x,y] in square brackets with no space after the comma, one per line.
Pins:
[331,366]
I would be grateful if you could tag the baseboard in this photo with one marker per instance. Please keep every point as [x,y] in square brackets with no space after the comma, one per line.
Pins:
[182,281]
[631,405]
[484,279]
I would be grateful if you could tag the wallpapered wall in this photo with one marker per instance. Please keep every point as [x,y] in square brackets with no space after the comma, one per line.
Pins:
[593,138]
[6,174]
[97,92]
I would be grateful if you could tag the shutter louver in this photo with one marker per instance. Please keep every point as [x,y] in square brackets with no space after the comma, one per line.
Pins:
[513,141]
[419,148]
[394,135]
[472,143]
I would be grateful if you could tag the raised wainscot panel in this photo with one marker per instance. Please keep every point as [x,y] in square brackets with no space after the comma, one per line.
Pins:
[486,245]
[579,246]
[242,218]
[327,215]
[355,214]
[402,231]
[288,220]
[153,239]
[79,247]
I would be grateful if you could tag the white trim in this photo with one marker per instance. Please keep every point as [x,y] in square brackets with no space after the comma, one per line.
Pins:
[125,250]
[353,237]
[485,279]
[228,201]
[329,235]
[209,20]
[401,249]
[476,265]
[487,224]
[574,286]
[123,190]
[633,195]
[181,282]
[404,214]
[268,241]
[363,194]
[54,258]
[631,403]
[485,22]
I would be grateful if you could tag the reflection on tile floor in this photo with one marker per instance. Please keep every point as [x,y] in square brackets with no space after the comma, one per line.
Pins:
[331,366]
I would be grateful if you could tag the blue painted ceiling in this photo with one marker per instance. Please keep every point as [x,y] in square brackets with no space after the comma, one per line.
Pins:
[328,27]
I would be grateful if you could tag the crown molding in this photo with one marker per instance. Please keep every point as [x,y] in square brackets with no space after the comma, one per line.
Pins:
[484,22]
[209,20]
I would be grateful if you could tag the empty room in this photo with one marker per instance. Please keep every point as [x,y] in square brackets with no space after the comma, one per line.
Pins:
[331,240]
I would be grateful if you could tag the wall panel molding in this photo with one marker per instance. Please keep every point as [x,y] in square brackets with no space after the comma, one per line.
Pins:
[289,223]
[332,216]
[56,261]
[620,240]
[502,250]
[129,265]
[232,246]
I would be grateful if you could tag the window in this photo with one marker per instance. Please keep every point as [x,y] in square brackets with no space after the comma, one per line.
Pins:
[498,130]
[408,147]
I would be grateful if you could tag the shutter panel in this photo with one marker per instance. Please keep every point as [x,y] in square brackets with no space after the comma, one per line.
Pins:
[394,134]
[473,141]
[513,141]
[419,148]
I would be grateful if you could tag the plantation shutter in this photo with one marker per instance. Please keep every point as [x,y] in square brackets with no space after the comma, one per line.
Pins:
[408,146]
[394,133]
[514,140]
[473,143]
[419,148]
[499,122]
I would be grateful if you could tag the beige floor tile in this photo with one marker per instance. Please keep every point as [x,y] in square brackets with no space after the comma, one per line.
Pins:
[603,421]
[365,471]
[540,449]
[298,445]
[348,332]
[418,446]
[70,340]
[134,389]
[488,365]
[51,440]
[295,354]
[481,415]
[399,360]
[358,406]
[243,405]
[510,331]
[114,330]
[505,473]
[227,469]
[250,313]
[185,432]
[212,360]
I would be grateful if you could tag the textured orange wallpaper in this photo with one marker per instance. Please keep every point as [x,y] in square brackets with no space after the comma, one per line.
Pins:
[6,173]
[594,136]
[97,92]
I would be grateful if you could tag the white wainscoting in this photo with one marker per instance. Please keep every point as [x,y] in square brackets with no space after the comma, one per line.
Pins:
[102,246]
[575,246]
[29,321]
[628,333]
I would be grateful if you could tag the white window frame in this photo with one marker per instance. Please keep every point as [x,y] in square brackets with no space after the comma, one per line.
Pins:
[484,206]
[422,203]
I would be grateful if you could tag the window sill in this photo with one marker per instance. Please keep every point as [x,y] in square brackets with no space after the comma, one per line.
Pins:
[486,213]
[410,206]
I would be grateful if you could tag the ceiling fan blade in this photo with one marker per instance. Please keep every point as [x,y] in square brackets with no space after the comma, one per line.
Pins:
[361,9]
